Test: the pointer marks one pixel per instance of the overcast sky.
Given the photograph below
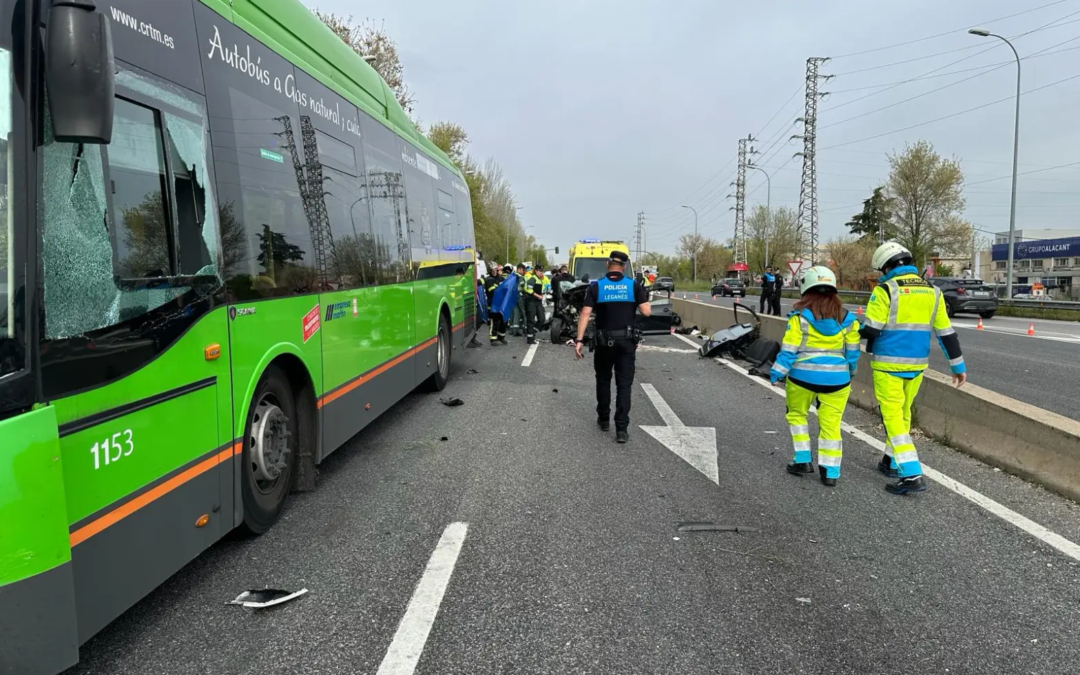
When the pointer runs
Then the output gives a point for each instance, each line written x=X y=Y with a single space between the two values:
x=598 y=109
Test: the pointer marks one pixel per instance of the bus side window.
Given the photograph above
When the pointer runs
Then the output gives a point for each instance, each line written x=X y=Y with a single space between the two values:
x=140 y=220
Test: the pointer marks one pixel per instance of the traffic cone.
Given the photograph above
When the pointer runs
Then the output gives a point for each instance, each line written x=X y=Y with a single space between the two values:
x=695 y=296
x=980 y=326
x=1031 y=329
x=860 y=312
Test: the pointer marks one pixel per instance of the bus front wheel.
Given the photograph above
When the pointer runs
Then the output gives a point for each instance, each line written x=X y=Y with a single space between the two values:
x=270 y=451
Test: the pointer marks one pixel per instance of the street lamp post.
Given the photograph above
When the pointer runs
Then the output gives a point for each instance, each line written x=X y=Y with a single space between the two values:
x=981 y=32
x=695 y=239
x=768 y=208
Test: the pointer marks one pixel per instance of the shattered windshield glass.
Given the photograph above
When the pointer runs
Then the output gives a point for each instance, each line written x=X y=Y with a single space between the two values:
x=104 y=268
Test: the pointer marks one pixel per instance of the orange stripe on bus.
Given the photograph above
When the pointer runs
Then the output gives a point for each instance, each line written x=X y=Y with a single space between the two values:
x=349 y=386
x=116 y=515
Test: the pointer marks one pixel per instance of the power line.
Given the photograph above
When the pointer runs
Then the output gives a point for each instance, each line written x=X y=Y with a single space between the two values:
x=945 y=117
x=1025 y=173
x=925 y=93
x=949 y=65
x=1046 y=26
x=950 y=32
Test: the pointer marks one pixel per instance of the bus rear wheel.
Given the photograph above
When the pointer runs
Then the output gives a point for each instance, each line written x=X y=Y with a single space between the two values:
x=270 y=451
x=438 y=379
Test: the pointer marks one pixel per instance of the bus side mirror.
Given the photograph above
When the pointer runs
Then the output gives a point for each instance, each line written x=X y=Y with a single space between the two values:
x=80 y=72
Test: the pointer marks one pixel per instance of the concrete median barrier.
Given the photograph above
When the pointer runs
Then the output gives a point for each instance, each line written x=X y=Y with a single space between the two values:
x=1017 y=437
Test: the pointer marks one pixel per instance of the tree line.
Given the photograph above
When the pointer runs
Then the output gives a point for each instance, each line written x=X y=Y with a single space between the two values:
x=498 y=231
x=919 y=205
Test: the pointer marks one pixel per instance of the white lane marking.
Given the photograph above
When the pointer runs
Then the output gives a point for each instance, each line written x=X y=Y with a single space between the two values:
x=412 y=633
x=1036 y=530
x=1055 y=337
x=529 y=355
x=696 y=345
x=696 y=445
x=666 y=350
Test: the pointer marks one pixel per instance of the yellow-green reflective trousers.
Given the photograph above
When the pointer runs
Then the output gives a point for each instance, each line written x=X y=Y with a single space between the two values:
x=830 y=414
x=895 y=395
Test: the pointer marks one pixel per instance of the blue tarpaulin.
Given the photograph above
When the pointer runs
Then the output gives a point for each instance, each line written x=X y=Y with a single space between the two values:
x=505 y=297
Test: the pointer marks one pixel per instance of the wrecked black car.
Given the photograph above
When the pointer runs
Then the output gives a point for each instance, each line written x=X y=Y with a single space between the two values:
x=571 y=298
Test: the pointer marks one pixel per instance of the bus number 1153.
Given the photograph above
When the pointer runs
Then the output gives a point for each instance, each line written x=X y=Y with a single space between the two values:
x=112 y=449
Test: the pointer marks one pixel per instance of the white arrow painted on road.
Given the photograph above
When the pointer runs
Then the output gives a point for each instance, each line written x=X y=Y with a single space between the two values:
x=696 y=445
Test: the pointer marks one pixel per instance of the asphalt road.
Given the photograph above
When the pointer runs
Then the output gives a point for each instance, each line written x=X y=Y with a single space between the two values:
x=572 y=561
x=1043 y=370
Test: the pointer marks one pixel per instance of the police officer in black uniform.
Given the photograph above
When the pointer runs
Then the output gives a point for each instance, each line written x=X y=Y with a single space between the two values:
x=616 y=300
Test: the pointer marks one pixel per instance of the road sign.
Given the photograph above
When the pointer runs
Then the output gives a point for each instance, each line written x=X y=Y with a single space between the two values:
x=794 y=266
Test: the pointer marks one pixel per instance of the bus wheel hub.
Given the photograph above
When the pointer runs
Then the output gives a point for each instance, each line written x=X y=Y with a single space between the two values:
x=269 y=441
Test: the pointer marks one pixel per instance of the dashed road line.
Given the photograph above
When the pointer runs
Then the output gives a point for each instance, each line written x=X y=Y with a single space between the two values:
x=525 y=362
x=412 y=633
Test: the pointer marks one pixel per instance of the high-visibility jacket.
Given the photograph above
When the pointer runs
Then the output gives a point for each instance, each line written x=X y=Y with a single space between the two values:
x=818 y=351
x=904 y=310
x=527 y=284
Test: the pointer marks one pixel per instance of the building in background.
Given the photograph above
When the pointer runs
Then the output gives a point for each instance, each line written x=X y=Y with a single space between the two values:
x=1047 y=257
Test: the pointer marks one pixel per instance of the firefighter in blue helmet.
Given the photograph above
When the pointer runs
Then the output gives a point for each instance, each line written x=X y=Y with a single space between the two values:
x=818 y=357
x=903 y=311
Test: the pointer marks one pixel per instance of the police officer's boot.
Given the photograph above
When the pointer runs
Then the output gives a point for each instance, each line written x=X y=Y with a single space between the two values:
x=906 y=485
x=885 y=467
x=825 y=480
x=800 y=468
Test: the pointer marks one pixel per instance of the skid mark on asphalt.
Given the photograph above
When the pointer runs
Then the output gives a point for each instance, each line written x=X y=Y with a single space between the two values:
x=412 y=633
x=1036 y=530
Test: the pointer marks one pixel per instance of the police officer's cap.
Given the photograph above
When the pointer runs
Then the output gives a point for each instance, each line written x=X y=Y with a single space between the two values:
x=619 y=257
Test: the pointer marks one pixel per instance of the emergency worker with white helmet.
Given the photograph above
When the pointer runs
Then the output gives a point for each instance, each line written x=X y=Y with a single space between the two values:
x=904 y=310
x=818 y=357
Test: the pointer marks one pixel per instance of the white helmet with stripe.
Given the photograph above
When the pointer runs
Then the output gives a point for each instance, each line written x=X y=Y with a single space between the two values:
x=888 y=253
x=816 y=277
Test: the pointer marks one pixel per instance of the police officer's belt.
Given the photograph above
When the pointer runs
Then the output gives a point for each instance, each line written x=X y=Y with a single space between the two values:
x=610 y=337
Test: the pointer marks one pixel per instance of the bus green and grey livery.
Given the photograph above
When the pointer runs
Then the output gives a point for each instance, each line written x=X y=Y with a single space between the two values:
x=224 y=251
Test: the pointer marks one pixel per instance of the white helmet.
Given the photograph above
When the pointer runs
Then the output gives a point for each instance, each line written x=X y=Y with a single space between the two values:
x=817 y=276
x=888 y=253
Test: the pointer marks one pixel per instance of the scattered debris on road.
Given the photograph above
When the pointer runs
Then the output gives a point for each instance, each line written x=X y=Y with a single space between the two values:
x=473 y=371
x=452 y=402
x=267 y=597
x=805 y=601
x=708 y=526
x=554 y=391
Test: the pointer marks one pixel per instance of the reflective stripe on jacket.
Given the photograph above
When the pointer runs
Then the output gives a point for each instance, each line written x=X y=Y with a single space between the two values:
x=818 y=351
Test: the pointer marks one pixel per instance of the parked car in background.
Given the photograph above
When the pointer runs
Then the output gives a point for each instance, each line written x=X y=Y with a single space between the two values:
x=729 y=287
x=964 y=295
x=663 y=284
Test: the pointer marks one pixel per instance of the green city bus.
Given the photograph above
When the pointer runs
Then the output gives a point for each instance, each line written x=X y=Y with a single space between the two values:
x=225 y=250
